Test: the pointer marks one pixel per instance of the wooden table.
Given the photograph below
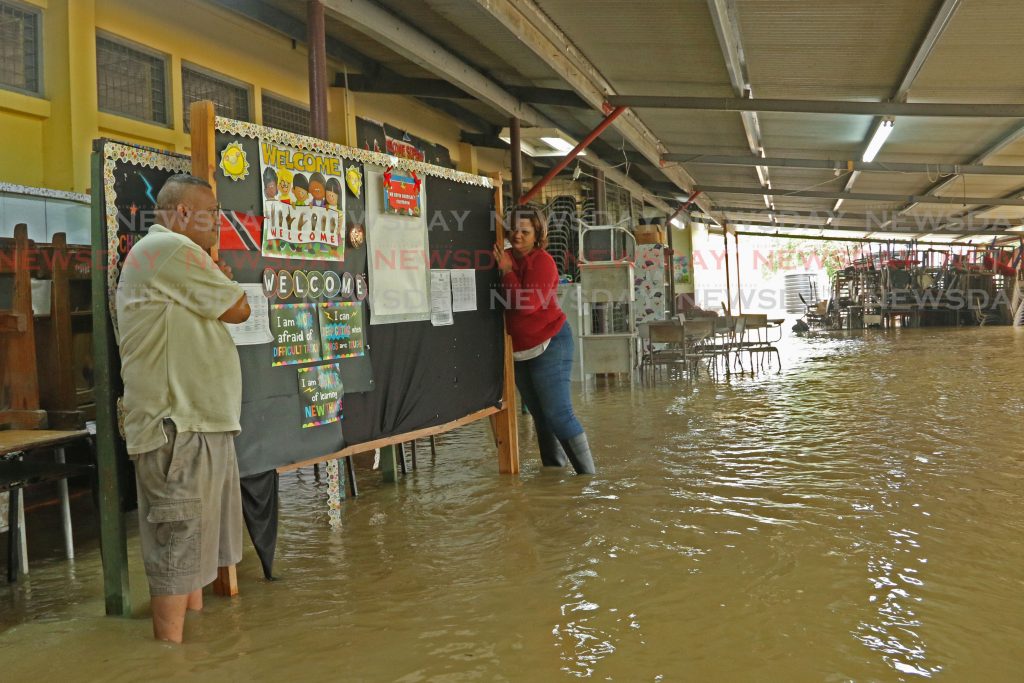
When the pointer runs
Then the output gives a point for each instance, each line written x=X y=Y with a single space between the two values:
x=15 y=474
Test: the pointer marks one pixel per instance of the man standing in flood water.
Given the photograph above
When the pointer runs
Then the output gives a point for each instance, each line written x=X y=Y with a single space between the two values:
x=182 y=400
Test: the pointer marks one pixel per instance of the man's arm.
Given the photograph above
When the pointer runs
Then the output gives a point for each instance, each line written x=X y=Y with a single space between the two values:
x=238 y=313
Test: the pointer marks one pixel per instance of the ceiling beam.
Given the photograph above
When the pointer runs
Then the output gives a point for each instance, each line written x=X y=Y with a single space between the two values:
x=408 y=41
x=925 y=109
x=723 y=15
x=534 y=28
x=996 y=146
x=826 y=238
x=866 y=196
x=440 y=88
x=766 y=224
x=938 y=26
x=413 y=87
x=844 y=165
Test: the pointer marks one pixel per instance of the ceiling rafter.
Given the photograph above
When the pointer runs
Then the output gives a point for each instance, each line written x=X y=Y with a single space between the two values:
x=845 y=164
x=1010 y=200
x=723 y=16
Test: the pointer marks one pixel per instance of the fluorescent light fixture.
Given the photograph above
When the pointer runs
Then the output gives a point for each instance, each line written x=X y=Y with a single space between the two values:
x=882 y=134
x=559 y=144
x=542 y=142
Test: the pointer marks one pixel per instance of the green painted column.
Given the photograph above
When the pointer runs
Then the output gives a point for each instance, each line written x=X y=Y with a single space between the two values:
x=113 y=540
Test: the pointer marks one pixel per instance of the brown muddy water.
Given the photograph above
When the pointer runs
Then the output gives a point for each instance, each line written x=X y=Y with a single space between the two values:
x=859 y=516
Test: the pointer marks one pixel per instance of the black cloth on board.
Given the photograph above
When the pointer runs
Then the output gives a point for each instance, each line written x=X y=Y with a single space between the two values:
x=259 y=507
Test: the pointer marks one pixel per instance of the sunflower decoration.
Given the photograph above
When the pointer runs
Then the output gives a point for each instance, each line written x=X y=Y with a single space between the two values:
x=234 y=162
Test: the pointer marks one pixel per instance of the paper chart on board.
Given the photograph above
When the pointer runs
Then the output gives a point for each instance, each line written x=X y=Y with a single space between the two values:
x=441 y=298
x=255 y=330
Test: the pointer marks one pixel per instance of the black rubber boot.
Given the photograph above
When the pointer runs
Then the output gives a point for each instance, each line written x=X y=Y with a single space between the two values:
x=578 y=450
x=551 y=453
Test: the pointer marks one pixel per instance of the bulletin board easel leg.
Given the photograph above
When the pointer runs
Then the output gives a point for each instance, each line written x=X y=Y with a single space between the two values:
x=506 y=422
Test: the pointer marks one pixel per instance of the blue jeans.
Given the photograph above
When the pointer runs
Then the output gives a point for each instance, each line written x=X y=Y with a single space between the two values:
x=543 y=382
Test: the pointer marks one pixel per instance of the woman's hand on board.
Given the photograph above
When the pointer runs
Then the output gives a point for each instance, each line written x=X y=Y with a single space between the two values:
x=503 y=260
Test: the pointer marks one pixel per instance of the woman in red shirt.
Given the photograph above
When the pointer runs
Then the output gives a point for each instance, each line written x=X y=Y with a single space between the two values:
x=542 y=343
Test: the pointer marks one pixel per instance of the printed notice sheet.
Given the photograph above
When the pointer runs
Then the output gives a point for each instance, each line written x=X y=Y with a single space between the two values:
x=463 y=290
x=255 y=330
x=441 y=298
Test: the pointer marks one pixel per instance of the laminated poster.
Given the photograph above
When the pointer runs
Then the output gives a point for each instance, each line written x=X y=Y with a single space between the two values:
x=303 y=204
x=402 y=192
x=320 y=391
x=296 y=338
x=341 y=329
x=441 y=298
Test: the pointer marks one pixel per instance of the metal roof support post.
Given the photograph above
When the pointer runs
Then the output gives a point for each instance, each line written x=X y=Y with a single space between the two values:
x=607 y=121
x=317 y=41
x=515 y=141
x=739 y=287
x=669 y=255
x=728 y=279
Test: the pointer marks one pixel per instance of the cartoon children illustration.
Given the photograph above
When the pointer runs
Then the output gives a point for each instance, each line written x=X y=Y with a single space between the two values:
x=317 y=189
x=300 y=188
x=284 y=185
x=269 y=183
x=333 y=192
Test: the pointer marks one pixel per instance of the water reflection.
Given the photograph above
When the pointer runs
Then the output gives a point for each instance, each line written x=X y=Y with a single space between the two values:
x=857 y=516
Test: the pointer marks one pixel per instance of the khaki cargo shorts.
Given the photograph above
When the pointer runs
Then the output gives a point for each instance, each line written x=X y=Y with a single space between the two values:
x=190 y=510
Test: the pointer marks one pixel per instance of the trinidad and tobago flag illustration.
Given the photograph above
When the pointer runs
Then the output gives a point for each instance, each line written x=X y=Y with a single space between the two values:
x=240 y=231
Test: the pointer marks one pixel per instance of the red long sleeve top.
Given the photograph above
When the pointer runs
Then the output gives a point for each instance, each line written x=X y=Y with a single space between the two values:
x=531 y=292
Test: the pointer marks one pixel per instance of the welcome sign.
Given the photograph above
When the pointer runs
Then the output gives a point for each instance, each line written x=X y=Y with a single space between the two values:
x=303 y=204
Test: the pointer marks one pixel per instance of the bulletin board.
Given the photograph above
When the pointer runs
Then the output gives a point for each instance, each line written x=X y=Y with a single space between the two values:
x=397 y=377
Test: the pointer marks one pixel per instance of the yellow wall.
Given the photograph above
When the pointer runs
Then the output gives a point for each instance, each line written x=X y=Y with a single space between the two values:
x=48 y=139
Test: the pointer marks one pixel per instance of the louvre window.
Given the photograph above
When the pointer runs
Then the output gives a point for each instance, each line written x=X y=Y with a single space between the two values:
x=279 y=113
x=131 y=82
x=230 y=99
x=19 y=48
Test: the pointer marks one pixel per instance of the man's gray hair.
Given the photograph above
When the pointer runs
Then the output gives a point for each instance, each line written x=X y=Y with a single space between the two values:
x=176 y=188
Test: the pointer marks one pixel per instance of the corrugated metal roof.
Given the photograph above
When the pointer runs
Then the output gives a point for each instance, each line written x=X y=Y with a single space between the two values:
x=831 y=50
x=668 y=42
x=977 y=59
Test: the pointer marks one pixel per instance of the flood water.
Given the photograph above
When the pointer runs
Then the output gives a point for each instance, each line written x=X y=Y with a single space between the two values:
x=859 y=516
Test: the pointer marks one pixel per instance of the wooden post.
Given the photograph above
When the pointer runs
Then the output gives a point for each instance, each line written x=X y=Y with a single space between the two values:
x=113 y=541
x=505 y=422
x=64 y=399
x=315 y=39
x=18 y=376
x=204 y=165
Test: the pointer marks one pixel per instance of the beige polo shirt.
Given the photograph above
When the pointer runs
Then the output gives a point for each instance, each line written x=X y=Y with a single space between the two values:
x=177 y=358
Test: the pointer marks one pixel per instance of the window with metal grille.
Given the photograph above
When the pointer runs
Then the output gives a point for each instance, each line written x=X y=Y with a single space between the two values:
x=131 y=82
x=279 y=113
x=19 y=48
x=229 y=99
